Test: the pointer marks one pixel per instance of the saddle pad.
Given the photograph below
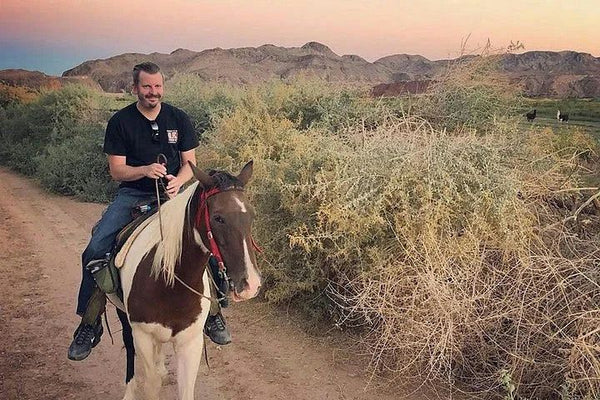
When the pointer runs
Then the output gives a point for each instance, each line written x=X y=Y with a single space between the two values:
x=129 y=228
x=127 y=237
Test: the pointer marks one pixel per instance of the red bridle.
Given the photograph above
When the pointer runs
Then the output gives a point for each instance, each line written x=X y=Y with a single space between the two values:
x=212 y=243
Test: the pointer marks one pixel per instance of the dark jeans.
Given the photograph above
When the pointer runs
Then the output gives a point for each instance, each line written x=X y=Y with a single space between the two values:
x=116 y=216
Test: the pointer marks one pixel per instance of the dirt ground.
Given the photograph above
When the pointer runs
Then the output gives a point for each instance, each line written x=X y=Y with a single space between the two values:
x=41 y=239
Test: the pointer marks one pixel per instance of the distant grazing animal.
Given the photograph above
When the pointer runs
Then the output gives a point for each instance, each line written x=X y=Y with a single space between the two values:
x=562 y=117
x=531 y=115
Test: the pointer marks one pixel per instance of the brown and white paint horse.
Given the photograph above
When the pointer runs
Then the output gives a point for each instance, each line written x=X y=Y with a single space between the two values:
x=159 y=307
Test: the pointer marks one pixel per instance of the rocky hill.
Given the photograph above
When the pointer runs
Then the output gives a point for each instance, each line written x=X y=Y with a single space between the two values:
x=554 y=74
x=242 y=65
x=540 y=73
x=39 y=80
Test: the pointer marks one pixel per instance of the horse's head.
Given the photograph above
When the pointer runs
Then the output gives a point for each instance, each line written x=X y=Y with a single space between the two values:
x=223 y=220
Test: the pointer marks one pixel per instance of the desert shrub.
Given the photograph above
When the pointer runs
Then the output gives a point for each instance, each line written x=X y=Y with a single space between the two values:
x=306 y=103
x=15 y=95
x=204 y=102
x=329 y=107
x=77 y=166
x=447 y=250
x=62 y=110
x=19 y=144
x=459 y=270
x=27 y=130
x=284 y=157
x=470 y=94
x=313 y=103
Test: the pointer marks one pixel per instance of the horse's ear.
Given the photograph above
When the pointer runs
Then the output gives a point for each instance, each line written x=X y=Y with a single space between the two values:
x=204 y=179
x=246 y=173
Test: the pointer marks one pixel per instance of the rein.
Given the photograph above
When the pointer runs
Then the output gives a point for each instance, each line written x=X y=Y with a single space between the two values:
x=158 y=161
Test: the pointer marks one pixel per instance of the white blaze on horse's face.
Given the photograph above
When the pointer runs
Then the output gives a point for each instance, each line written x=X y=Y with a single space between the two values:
x=231 y=220
x=241 y=204
x=253 y=280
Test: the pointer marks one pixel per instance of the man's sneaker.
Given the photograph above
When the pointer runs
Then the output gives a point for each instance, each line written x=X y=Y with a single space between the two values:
x=216 y=330
x=85 y=338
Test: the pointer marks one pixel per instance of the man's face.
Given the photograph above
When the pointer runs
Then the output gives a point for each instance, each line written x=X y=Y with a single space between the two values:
x=149 y=89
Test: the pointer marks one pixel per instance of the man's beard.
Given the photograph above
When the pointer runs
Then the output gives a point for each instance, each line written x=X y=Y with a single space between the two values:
x=147 y=101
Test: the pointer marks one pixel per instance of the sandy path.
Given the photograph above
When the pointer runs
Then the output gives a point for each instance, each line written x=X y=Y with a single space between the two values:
x=41 y=239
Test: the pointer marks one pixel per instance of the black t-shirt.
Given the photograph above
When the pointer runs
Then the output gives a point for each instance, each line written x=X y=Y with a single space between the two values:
x=129 y=133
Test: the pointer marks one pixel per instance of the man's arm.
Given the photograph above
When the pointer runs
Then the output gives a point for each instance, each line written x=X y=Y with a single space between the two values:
x=120 y=171
x=185 y=173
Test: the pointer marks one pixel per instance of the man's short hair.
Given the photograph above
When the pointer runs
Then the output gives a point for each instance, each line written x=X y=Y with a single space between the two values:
x=148 y=67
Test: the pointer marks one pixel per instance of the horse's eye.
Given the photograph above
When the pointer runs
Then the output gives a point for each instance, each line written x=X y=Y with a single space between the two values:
x=219 y=219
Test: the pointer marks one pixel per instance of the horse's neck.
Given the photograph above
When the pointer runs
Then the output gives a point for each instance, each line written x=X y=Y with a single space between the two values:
x=193 y=260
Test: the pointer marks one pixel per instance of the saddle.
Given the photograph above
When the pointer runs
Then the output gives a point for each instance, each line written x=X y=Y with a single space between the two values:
x=105 y=271
x=141 y=213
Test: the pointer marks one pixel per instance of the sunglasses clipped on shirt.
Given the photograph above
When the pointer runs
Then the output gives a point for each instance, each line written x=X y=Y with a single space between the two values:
x=155 y=137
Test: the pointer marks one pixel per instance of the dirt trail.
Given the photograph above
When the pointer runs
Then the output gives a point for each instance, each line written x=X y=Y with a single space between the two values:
x=41 y=239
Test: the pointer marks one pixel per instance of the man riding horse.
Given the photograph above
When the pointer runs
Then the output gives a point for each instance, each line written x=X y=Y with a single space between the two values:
x=134 y=138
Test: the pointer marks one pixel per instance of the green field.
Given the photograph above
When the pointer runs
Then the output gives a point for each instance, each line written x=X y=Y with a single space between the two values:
x=583 y=114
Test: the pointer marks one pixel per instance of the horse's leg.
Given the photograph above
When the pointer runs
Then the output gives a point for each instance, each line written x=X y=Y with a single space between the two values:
x=159 y=356
x=131 y=390
x=188 y=351
x=144 y=347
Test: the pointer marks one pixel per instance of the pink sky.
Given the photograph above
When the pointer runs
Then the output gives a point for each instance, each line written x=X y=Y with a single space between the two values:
x=371 y=29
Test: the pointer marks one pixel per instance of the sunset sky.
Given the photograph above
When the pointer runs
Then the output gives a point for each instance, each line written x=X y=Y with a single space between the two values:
x=54 y=35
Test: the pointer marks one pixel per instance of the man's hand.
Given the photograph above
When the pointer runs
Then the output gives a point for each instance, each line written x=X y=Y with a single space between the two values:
x=173 y=186
x=155 y=171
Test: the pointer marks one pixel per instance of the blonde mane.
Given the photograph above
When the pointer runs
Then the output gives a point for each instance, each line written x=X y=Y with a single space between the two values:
x=168 y=250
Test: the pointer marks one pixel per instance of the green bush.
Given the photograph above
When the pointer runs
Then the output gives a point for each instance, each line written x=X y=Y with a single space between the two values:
x=58 y=139
x=55 y=116
x=20 y=144
x=308 y=104
x=77 y=167
x=204 y=102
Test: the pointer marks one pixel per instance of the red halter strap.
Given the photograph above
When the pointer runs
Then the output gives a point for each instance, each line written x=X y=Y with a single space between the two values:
x=203 y=213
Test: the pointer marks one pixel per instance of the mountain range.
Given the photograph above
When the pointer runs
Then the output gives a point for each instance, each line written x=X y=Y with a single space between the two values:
x=540 y=73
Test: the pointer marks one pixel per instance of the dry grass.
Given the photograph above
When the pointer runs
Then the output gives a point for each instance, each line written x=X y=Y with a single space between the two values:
x=459 y=275
x=471 y=94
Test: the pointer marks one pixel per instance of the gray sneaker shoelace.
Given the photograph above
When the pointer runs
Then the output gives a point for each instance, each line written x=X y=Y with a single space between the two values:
x=218 y=323
x=85 y=334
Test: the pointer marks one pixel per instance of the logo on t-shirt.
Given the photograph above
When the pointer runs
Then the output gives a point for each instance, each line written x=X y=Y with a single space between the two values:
x=172 y=135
